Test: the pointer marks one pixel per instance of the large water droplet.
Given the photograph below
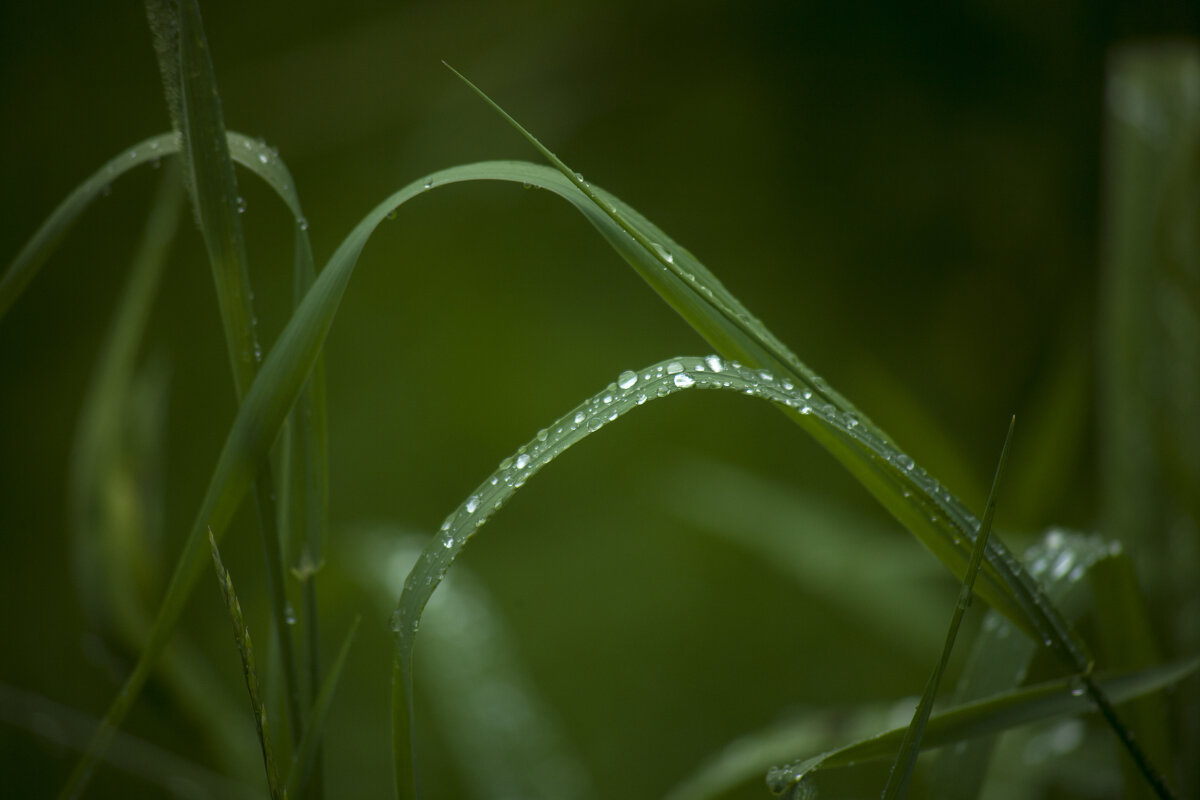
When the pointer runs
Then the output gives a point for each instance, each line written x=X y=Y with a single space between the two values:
x=579 y=417
x=683 y=380
x=263 y=158
x=522 y=461
x=714 y=363
x=627 y=379
x=674 y=367
x=472 y=503
x=663 y=253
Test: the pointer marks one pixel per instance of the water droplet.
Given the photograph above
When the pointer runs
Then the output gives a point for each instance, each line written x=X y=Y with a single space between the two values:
x=241 y=205
x=674 y=367
x=446 y=525
x=904 y=461
x=641 y=398
x=663 y=253
x=1078 y=687
x=595 y=424
x=506 y=462
x=579 y=177
x=579 y=417
x=765 y=376
x=303 y=223
x=472 y=503
x=263 y=158
x=627 y=379
x=683 y=380
x=522 y=461
x=448 y=542
x=289 y=614
x=542 y=434
x=608 y=398
x=714 y=363
x=429 y=182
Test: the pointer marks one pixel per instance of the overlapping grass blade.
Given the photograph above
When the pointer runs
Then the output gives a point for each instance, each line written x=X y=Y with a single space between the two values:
x=992 y=715
x=195 y=105
x=241 y=635
x=906 y=759
x=305 y=760
x=1000 y=658
x=928 y=510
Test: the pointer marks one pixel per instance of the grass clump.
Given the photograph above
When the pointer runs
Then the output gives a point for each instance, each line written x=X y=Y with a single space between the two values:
x=1030 y=661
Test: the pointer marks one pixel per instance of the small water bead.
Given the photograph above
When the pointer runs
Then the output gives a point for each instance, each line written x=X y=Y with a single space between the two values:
x=595 y=424
x=683 y=380
x=714 y=363
x=579 y=417
x=303 y=222
x=472 y=503
x=429 y=182
x=641 y=398
x=446 y=525
x=627 y=379
x=662 y=391
x=663 y=252
x=522 y=461
x=765 y=376
x=542 y=434
x=905 y=461
x=674 y=367
x=448 y=542
x=613 y=416
x=608 y=398
x=263 y=158
x=241 y=205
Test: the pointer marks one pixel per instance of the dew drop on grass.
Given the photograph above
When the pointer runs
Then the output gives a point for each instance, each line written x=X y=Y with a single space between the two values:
x=683 y=380
x=303 y=222
x=674 y=367
x=241 y=205
x=664 y=253
x=448 y=542
x=429 y=182
x=289 y=614
x=905 y=461
x=542 y=434
x=627 y=379
x=595 y=424
x=714 y=363
x=472 y=503
x=263 y=158
x=522 y=461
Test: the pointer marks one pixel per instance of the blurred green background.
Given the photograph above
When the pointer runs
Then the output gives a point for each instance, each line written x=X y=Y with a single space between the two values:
x=908 y=195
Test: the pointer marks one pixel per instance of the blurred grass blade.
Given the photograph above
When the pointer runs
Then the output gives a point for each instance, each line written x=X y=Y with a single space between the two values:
x=241 y=634
x=113 y=482
x=926 y=509
x=314 y=730
x=988 y=716
x=64 y=727
x=910 y=747
x=195 y=104
x=806 y=539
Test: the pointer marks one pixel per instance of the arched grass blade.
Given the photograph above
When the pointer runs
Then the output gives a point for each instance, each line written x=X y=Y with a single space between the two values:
x=906 y=759
x=931 y=513
x=992 y=715
x=630 y=390
x=241 y=635
x=305 y=759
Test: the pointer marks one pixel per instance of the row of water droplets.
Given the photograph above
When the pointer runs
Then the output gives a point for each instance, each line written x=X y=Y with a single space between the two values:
x=629 y=390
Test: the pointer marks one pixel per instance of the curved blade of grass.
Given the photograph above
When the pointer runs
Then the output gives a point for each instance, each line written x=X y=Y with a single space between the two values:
x=910 y=747
x=305 y=759
x=926 y=509
x=983 y=717
x=631 y=390
x=241 y=635
x=195 y=105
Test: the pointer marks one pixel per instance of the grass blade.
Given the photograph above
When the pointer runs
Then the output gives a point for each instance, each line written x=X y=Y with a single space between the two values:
x=631 y=389
x=931 y=513
x=305 y=759
x=906 y=759
x=195 y=105
x=241 y=635
x=989 y=716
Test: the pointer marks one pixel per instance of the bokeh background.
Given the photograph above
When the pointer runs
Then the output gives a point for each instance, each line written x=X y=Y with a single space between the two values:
x=907 y=194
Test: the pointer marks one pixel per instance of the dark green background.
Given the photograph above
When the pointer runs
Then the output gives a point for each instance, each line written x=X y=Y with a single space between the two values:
x=907 y=194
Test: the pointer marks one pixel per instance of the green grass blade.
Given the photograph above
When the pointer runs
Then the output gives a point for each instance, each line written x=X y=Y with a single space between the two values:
x=927 y=510
x=988 y=716
x=241 y=635
x=906 y=759
x=305 y=759
x=195 y=104
x=252 y=154
x=631 y=389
